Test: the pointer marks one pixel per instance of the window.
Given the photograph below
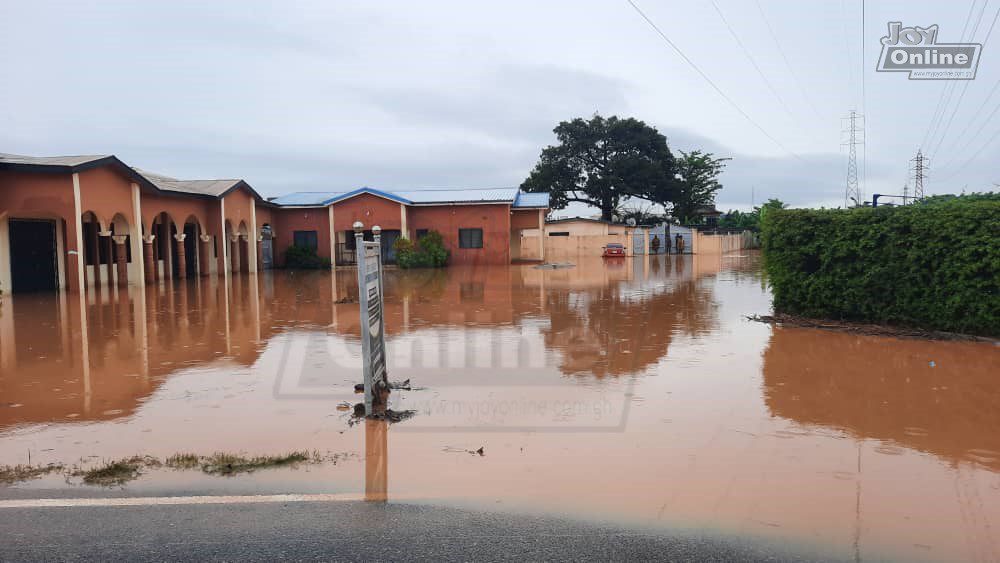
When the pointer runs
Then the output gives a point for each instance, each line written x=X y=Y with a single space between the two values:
x=470 y=238
x=421 y=233
x=306 y=239
x=559 y=234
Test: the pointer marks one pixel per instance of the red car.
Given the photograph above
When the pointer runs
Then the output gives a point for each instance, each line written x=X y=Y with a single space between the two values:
x=614 y=250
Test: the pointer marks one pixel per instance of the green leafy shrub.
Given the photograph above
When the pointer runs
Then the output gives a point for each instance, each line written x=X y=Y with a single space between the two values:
x=428 y=252
x=305 y=258
x=934 y=264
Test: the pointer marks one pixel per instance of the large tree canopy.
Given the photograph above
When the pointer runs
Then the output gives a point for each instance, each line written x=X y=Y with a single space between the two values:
x=699 y=180
x=602 y=162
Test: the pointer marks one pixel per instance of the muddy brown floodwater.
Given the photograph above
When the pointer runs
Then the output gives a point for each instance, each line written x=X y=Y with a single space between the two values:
x=632 y=391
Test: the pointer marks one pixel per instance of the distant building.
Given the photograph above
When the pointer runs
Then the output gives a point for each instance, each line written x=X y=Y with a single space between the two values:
x=88 y=221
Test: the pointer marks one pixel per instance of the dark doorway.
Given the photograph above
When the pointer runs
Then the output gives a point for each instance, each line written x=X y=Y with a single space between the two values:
x=33 y=255
x=191 y=249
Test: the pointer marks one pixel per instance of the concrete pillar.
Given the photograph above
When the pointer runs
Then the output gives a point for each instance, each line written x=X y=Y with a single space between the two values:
x=120 y=259
x=252 y=264
x=204 y=252
x=181 y=255
x=147 y=258
x=74 y=263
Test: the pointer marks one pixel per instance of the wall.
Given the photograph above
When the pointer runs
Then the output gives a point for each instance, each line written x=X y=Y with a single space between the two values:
x=286 y=221
x=717 y=244
x=586 y=238
x=40 y=196
x=494 y=220
x=369 y=209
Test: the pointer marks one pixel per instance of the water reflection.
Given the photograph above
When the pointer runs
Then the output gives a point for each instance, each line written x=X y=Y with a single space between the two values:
x=937 y=397
x=67 y=357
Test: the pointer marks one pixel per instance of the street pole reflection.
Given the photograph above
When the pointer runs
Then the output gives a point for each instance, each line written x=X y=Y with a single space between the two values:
x=376 y=460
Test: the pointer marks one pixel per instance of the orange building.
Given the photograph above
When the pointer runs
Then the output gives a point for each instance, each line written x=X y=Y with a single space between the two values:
x=93 y=221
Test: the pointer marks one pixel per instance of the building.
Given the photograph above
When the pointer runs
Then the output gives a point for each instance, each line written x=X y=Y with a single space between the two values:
x=90 y=221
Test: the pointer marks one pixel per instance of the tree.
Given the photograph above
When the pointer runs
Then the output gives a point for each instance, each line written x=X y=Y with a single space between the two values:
x=699 y=173
x=749 y=220
x=603 y=162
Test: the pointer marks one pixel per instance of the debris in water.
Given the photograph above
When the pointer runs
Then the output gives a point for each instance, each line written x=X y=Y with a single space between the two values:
x=344 y=300
x=555 y=266
x=480 y=452
x=344 y=406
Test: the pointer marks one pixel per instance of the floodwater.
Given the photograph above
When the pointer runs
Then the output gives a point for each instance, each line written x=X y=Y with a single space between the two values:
x=631 y=391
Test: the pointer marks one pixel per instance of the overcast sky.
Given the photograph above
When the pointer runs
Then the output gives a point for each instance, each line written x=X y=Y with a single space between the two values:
x=337 y=95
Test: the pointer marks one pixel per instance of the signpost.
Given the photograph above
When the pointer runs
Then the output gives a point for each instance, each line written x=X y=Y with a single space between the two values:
x=369 y=259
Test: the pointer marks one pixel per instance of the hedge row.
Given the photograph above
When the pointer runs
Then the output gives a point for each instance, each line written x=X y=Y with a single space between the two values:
x=933 y=264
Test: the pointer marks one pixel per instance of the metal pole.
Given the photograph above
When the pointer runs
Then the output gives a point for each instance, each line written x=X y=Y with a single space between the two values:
x=359 y=252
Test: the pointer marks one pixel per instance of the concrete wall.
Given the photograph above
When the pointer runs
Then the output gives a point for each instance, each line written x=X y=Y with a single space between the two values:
x=493 y=219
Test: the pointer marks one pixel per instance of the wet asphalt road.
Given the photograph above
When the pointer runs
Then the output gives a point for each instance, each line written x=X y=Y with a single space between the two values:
x=323 y=531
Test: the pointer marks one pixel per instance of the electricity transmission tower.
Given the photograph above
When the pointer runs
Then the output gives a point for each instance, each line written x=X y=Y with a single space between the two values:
x=855 y=131
x=906 y=191
x=919 y=172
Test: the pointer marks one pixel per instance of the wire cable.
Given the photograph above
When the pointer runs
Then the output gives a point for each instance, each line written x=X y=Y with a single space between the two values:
x=709 y=80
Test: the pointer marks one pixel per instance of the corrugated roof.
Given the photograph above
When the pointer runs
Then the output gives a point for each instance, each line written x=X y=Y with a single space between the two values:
x=50 y=160
x=214 y=188
x=422 y=197
x=532 y=199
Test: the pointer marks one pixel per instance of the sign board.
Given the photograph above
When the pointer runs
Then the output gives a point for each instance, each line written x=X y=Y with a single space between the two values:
x=372 y=328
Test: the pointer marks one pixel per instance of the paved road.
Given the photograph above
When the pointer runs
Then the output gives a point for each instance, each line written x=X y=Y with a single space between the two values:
x=340 y=530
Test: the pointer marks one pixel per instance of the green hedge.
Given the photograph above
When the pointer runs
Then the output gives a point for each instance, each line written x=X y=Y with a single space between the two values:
x=933 y=264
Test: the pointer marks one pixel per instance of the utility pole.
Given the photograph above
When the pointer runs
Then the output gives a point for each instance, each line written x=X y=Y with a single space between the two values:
x=906 y=191
x=919 y=172
x=855 y=136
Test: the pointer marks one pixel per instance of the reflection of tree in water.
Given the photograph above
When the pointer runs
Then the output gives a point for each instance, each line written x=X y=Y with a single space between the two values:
x=888 y=389
x=620 y=330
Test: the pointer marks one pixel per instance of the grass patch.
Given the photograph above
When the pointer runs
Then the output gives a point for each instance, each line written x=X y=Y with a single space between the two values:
x=230 y=464
x=119 y=472
x=183 y=461
x=10 y=474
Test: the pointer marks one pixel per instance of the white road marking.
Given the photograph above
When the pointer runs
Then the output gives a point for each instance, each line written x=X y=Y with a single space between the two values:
x=178 y=500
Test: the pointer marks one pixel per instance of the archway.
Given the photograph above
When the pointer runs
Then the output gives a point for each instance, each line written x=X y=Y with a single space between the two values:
x=94 y=252
x=244 y=246
x=163 y=230
x=193 y=262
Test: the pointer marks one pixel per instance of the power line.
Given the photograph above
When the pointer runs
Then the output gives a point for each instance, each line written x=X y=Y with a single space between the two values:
x=961 y=135
x=709 y=80
x=940 y=104
x=753 y=61
x=864 y=109
x=791 y=70
x=965 y=86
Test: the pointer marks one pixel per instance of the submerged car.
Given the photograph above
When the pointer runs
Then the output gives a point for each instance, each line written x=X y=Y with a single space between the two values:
x=614 y=250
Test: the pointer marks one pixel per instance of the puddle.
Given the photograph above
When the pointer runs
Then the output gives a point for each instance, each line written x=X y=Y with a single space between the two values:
x=634 y=392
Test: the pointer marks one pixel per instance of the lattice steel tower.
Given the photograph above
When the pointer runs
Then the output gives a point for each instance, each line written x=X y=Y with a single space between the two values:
x=855 y=137
x=919 y=172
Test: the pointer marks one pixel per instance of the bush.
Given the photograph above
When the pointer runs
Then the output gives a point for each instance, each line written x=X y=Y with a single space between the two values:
x=934 y=264
x=305 y=258
x=428 y=252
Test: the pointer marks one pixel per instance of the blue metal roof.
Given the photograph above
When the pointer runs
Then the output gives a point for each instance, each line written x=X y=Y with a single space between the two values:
x=421 y=197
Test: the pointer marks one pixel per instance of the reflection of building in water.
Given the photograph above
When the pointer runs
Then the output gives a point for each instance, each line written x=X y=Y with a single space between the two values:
x=71 y=357
x=944 y=402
